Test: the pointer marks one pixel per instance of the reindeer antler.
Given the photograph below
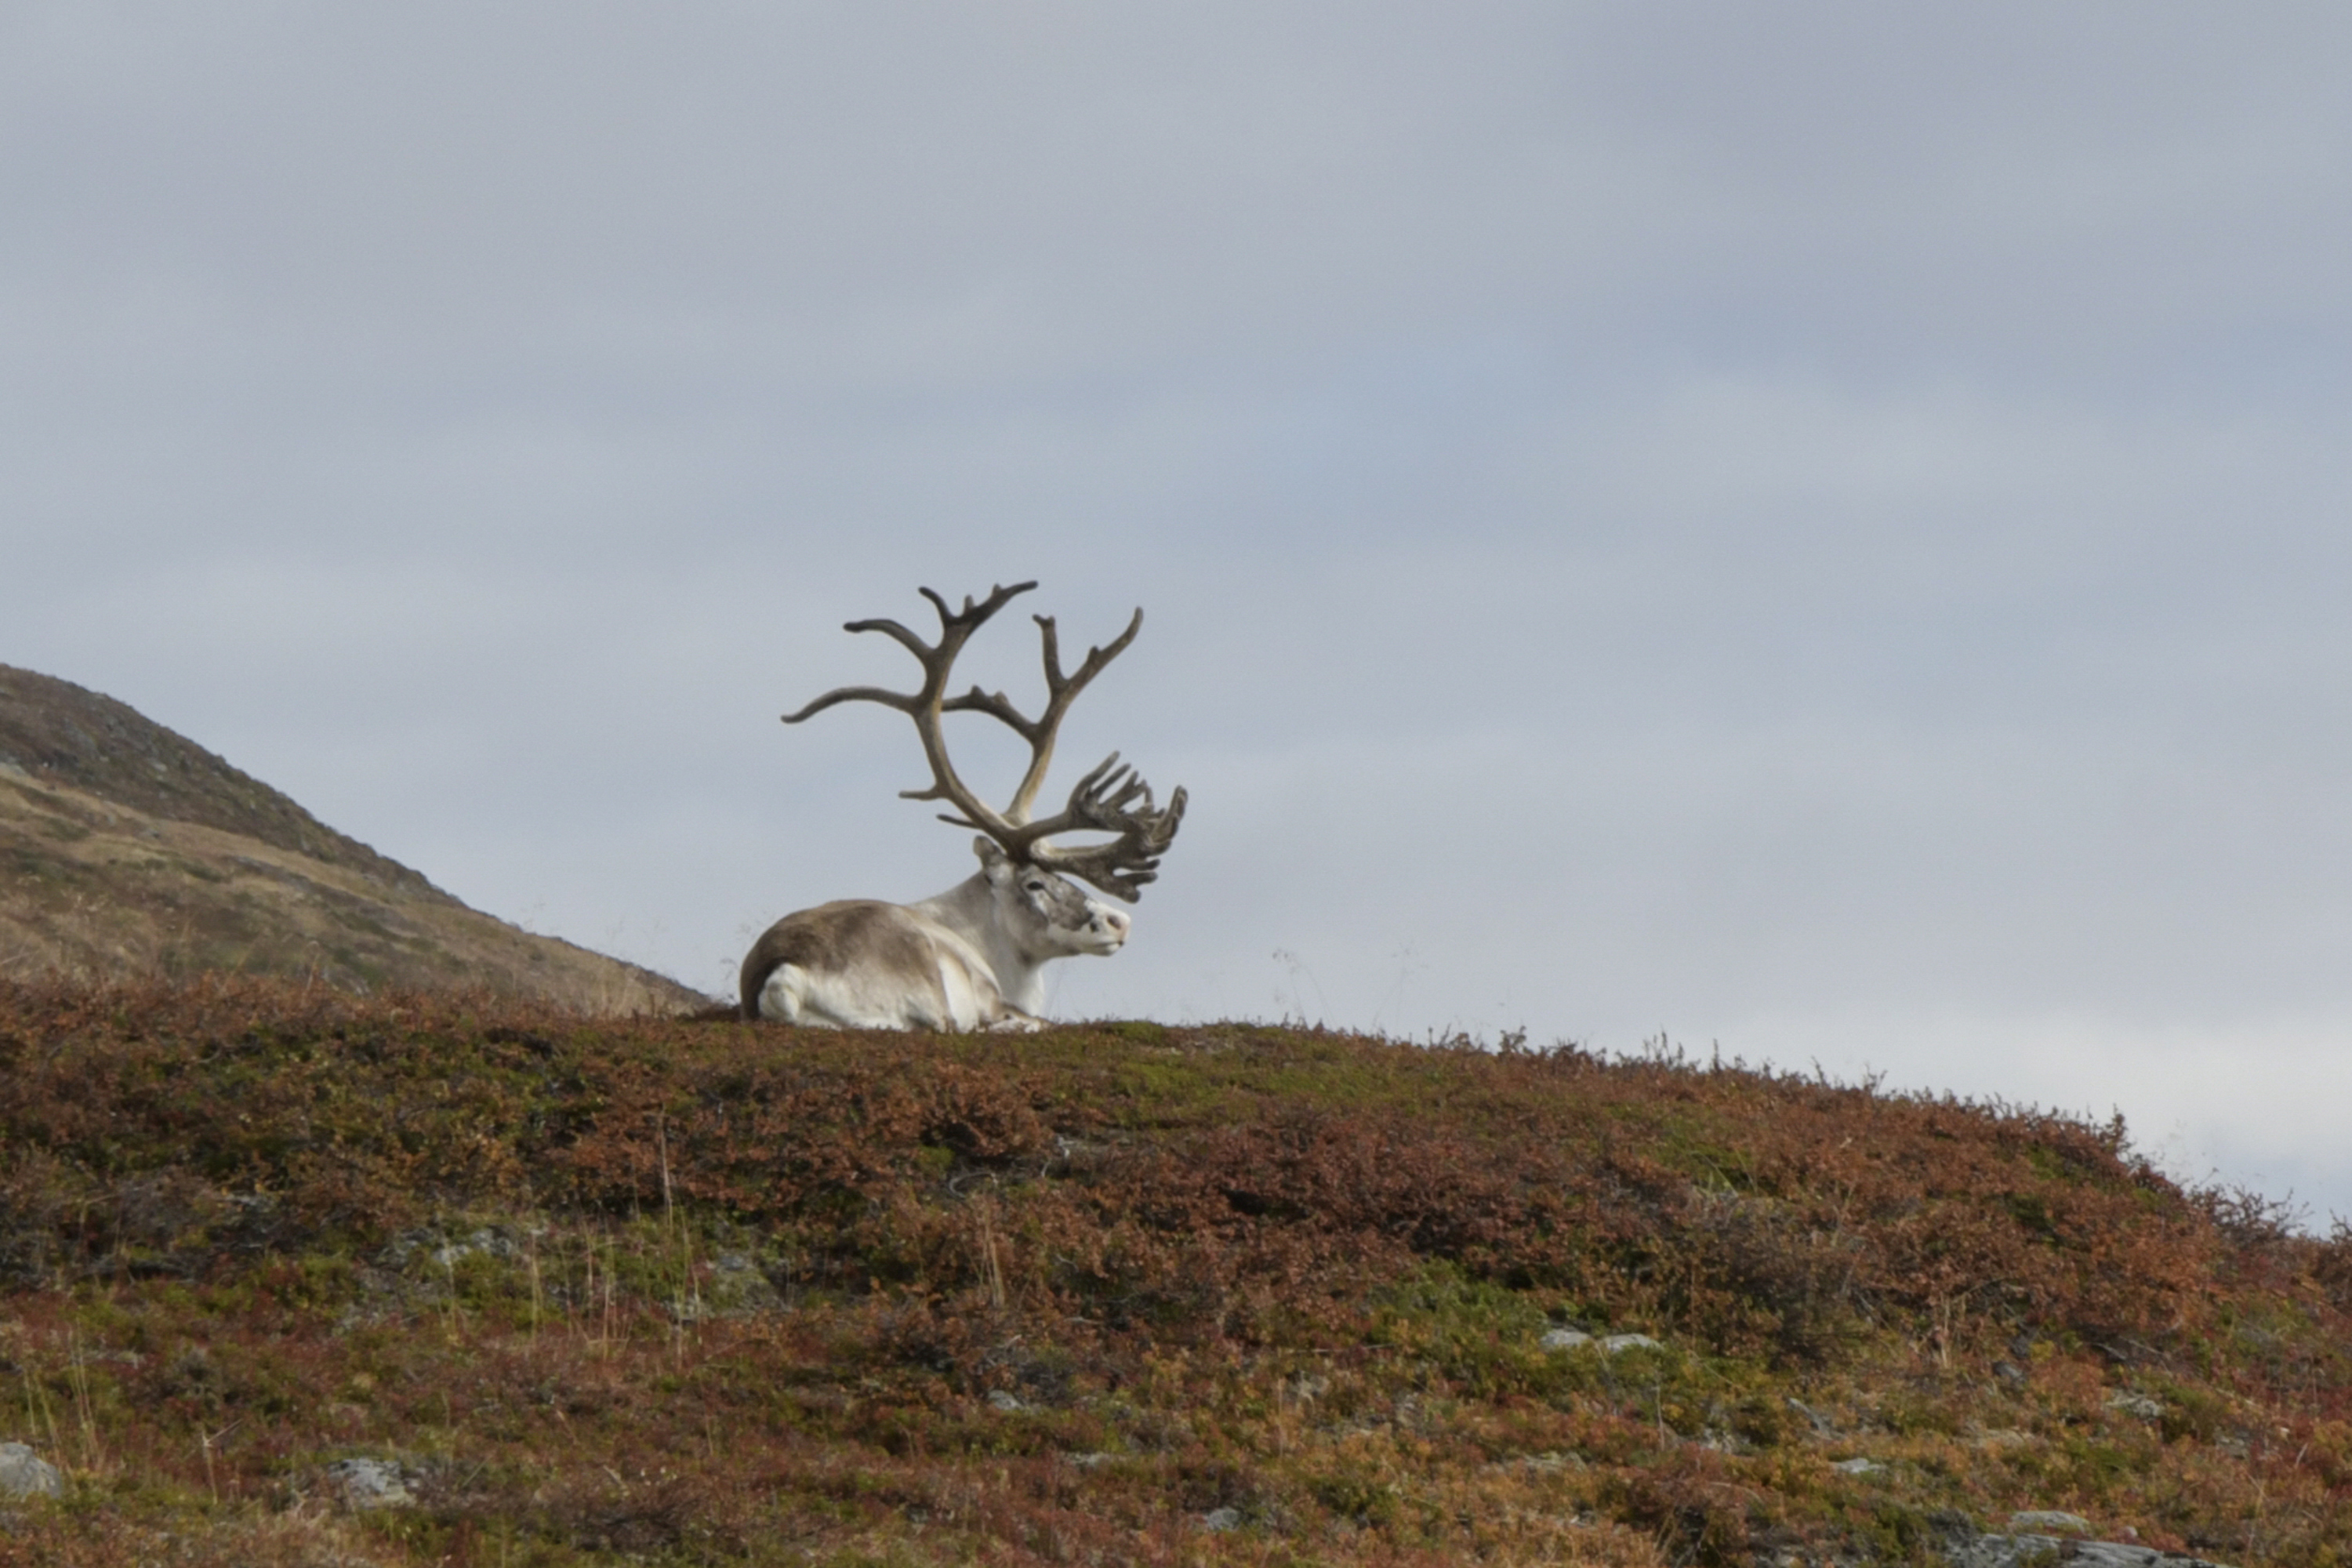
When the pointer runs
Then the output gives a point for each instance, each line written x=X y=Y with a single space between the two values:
x=1105 y=800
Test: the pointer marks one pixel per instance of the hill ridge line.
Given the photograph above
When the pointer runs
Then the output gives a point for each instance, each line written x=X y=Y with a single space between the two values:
x=53 y=729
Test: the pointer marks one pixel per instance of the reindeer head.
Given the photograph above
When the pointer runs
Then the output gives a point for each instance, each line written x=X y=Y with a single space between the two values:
x=1112 y=799
x=1043 y=916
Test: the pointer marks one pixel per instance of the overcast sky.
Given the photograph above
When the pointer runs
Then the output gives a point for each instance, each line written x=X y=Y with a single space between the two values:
x=1816 y=529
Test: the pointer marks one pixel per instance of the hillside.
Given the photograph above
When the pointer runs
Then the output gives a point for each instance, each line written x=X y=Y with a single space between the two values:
x=128 y=850
x=296 y=1276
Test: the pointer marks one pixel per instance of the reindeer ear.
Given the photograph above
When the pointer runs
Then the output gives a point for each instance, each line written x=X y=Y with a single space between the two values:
x=992 y=854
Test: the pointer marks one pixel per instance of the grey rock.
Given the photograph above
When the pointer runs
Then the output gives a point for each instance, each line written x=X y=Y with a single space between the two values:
x=1858 y=1467
x=998 y=1399
x=24 y=1473
x=739 y=1286
x=1568 y=1339
x=2030 y=1551
x=2138 y=1405
x=1218 y=1520
x=486 y=1241
x=2045 y=1520
x=370 y=1483
x=1821 y=1424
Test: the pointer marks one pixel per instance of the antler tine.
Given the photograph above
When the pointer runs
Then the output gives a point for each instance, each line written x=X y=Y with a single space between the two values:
x=996 y=705
x=924 y=705
x=1104 y=800
x=904 y=703
x=1061 y=691
x=899 y=634
x=967 y=620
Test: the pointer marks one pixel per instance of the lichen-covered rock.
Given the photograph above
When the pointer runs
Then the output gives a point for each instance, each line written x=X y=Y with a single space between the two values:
x=24 y=1473
x=2044 y=1521
x=370 y=1483
x=1570 y=1339
x=2033 y=1551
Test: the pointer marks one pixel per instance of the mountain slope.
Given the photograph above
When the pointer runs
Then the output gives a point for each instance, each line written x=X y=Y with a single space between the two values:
x=126 y=850
x=64 y=734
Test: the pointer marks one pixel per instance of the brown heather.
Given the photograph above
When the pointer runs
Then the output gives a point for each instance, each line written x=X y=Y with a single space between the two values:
x=715 y=1293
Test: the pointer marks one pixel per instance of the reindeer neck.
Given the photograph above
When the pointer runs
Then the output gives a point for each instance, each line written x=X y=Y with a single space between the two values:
x=969 y=909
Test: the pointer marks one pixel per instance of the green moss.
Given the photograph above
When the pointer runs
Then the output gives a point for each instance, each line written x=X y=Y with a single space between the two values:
x=1356 y=1496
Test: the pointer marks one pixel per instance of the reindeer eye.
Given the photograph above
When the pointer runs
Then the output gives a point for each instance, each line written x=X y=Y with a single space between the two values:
x=1035 y=885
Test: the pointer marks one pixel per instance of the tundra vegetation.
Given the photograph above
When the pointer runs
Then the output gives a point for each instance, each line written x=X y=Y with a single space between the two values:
x=300 y=1278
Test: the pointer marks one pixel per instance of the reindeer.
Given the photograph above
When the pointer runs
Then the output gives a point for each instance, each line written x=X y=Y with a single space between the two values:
x=971 y=958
